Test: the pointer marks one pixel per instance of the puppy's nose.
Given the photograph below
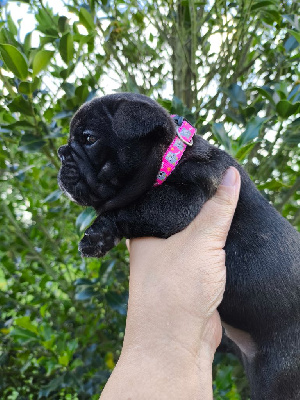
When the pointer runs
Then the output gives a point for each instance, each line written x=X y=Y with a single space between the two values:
x=62 y=152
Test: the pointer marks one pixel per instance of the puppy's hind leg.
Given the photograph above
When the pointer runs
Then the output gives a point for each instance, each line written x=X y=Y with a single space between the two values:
x=99 y=238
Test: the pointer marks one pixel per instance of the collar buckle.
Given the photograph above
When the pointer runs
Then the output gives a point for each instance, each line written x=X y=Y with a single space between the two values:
x=182 y=139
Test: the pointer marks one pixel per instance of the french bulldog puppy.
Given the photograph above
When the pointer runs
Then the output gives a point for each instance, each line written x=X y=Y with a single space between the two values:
x=111 y=163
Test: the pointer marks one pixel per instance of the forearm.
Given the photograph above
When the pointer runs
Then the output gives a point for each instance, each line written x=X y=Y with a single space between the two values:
x=164 y=355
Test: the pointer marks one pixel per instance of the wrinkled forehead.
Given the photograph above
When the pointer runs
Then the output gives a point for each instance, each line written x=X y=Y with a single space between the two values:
x=91 y=115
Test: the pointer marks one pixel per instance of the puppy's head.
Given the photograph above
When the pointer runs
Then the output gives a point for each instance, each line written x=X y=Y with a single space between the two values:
x=114 y=150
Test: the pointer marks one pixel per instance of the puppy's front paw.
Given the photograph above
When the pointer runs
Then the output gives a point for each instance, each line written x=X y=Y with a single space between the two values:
x=96 y=243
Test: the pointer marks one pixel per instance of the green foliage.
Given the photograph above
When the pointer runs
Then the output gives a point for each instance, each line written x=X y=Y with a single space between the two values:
x=229 y=67
x=14 y=60
x=40 y=62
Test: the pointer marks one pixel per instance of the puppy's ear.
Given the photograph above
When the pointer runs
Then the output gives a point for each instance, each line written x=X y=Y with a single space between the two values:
x=137 y=118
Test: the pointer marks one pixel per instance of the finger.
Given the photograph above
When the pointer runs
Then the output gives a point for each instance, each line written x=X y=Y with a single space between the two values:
x=216 y=215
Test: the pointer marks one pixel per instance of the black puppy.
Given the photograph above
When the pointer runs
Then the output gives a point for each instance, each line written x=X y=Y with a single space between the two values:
x=111 y=162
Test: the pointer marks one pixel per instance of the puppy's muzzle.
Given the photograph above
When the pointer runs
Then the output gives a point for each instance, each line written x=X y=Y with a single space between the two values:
x=64 y=152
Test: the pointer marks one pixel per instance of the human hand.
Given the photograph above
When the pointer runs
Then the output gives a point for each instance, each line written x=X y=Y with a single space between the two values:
x=173 y=327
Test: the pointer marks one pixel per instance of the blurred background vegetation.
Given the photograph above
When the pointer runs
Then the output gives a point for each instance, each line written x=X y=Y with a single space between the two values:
x=231 y=67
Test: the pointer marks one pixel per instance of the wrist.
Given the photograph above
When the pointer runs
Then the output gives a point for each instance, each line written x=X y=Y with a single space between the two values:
x=192 y=348
x=156 y=325
x=168 y=372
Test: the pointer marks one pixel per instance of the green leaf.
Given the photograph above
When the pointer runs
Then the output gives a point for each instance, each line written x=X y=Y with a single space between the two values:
x=291 y=44
x=11 y=25
x=271 y=16
x=262 y=4
x=36 y=83
x=66 y=47
x=68 y=71
x=14 y=60
x=63 y=114
x=19 y=104
x=22 y=1
x=29 y=87
x=19 y=125
x=167 y=104
x=292 y=19
x=85 y=219
x=272 y=185
x=52 y=386
x=64 y=359
x=242 y=152
x=31 y=143
x=25 y=88
x=294 y=94
x=236 y=94
x=138 y=17
x=248 y=112
x=63 y=24
x=83 y=281
x=47 y=39
x=285 y=108
x=69 y=88
x=82 y=92
x=72 y=345
x=47 y=21
x=117 y=302
x=106 y=270
x=86 y=293
x=281 y=88
x=43 y=310
x=41 y=61
x=235 y=115
x=24 y=322
x=292 y=133
x=86 y=19
x=295 y=34
x=24 y=334
x=6 y=37
x=221 y=135
x=53 y=196
x=252 y=130
x=265 y=91
x=27 y=42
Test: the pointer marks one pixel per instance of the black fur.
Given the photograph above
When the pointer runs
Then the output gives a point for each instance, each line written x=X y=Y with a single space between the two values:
x=116 y=174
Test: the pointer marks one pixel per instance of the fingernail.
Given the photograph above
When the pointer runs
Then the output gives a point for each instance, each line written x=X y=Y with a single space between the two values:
x=230 y=177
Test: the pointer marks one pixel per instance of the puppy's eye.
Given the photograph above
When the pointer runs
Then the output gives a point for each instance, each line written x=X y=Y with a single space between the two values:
x=87 y=137
x=91 y=139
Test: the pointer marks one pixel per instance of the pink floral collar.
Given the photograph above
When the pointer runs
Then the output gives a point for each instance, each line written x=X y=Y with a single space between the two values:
x=185 y=132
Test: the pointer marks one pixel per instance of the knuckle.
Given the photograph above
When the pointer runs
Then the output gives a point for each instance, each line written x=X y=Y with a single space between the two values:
x=224 y=199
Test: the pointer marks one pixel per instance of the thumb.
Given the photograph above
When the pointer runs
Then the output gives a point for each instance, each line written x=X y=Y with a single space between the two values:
x=216 y=215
